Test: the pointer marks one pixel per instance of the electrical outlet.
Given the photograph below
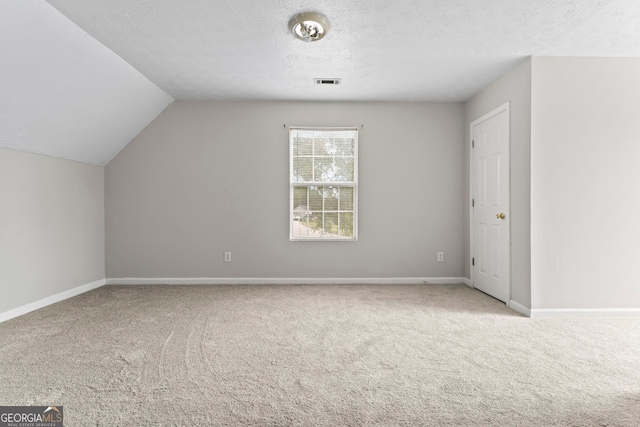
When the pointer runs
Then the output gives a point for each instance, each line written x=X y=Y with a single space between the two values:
x=227 y=257
x=440 y=256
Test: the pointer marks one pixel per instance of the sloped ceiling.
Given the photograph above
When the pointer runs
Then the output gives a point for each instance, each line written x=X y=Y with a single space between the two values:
x=64 y=94
x=82 y=83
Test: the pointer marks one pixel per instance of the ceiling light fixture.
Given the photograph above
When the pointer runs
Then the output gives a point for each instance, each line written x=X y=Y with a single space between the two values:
x=309 y=26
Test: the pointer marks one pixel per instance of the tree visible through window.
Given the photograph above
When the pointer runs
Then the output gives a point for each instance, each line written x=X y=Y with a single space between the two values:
x=324 y=176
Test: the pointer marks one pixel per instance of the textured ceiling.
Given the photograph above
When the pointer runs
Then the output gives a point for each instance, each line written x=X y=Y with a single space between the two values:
x=81 y=78
x=64 y=94
x=402 y=50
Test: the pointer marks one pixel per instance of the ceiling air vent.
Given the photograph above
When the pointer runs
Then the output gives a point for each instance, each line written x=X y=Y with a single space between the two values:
x=327 y=81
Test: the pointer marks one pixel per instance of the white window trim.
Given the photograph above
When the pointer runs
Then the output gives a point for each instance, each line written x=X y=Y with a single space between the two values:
x=353 y=185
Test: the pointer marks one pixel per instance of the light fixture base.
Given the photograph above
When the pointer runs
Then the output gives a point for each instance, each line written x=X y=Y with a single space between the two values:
x=309 y=26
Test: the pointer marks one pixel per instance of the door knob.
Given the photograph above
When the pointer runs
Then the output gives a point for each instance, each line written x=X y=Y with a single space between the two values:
x=500 y=216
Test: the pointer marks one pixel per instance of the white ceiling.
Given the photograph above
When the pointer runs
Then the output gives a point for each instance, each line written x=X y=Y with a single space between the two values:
x=81 y=84
x=63 y=93
x=401 y=50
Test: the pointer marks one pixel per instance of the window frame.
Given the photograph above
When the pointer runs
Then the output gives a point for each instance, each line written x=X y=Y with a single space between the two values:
x=351 y=184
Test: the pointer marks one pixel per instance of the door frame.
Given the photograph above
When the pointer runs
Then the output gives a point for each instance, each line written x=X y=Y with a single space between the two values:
x=506 y=107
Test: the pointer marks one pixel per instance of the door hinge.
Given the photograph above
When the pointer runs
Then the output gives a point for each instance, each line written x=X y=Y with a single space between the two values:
x=473 y=261
x=473 y=143
x=473 y=203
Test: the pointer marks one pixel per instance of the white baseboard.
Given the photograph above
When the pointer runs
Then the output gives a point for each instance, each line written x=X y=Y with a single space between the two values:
x=282 y=280
x=547 y=313
x=533 y=313
x=516 y=306
x=50 y=300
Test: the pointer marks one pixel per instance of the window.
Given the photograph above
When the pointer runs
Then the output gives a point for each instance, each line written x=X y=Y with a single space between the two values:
x=324 y=183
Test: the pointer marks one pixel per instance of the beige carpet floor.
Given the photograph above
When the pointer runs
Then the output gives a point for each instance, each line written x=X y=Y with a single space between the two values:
x=326 y=355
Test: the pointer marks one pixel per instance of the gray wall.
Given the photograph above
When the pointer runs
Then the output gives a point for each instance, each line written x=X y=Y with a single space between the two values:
x=585 y=183
x=513 y=87
x=208 y=177
x=51 y=227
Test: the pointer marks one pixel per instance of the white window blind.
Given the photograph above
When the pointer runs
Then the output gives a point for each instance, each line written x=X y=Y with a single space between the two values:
x=324 y=183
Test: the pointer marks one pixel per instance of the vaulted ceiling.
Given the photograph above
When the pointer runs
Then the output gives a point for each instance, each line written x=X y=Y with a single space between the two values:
x=81 y=78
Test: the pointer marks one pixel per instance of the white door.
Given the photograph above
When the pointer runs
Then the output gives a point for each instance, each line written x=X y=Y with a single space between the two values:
x=490 y=224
